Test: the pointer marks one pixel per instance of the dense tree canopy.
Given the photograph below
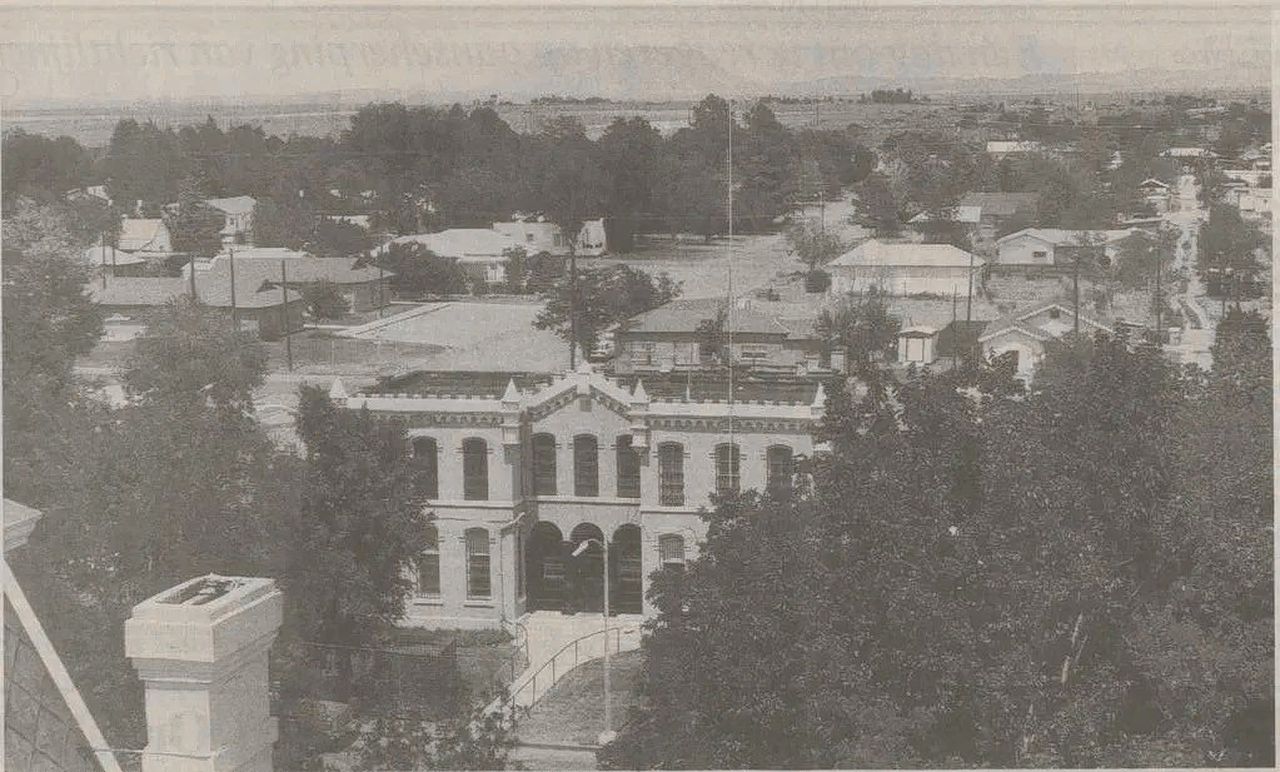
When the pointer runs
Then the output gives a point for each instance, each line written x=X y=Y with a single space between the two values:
x=982 y=578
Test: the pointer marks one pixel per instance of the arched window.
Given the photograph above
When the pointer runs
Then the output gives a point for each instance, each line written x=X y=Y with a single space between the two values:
x=671 y=551
x=781 y=465
x=475 y=469
x=428 y=581
x=586 y=466
x=727 y=463
x=628 y=463
x=426 y=457
x=671 y=474
x=544 y=465
x=478 y=584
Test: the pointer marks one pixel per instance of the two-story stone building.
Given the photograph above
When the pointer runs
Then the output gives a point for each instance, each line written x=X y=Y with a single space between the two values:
x=520 y=475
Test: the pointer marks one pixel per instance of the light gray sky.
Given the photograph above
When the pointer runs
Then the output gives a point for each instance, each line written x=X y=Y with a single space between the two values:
x=167 y=53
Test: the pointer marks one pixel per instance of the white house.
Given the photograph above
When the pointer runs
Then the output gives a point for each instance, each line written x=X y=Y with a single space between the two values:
x=1023 y=334
x=481 y=252
x=1156 y=193
x=237 y=212
x=538 y=235
x=1045 y=247
x=903 y=269
x=144 y=236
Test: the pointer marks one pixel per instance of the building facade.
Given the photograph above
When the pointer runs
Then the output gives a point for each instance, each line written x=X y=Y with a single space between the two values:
x=519 y=480
x=889 y=268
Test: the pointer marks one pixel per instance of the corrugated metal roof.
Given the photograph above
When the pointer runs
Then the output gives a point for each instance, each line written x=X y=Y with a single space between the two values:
x=463 y=244
x=141 y=234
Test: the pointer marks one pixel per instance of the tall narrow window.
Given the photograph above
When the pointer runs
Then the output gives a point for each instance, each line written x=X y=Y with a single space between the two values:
x=586 y=466
x=544 y=465
x=628 y=469
x=426 y=457
x=428 y=584
x=781 y=469
x=478 y=586
x=475 y=469
x=671 y=474
x=671 y=551
x=727 y=468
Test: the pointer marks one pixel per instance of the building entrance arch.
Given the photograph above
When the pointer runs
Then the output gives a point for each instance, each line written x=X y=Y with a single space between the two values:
x=546 y=568
x=587 y=569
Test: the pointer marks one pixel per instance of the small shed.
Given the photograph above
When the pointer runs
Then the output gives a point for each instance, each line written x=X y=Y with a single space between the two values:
x=917 y=345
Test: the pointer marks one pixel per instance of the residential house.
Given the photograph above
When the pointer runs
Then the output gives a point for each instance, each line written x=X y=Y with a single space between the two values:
x=481 y=252
x=147 y=237
x=1023 y=334
x=115 y=262
x=522 y=478
x=260 y=303
x=360 y=220
x=363 y=287
x=1047 y=249
x=903 y=269
x=1156 y=194
x=95 y=193
x=237 y=213
x=536 y=235
x=682 y=336
x=998 y=211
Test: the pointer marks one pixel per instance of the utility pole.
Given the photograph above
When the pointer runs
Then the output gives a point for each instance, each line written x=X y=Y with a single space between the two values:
x=954 y=341
x=102 y=268
x=968 y=307
x=573 y=305
x=284 y=293
x=382 y=289
x=1076 y=293
x=235 y=312
x=191 y=268
x=732 y=366
x=1159 y=302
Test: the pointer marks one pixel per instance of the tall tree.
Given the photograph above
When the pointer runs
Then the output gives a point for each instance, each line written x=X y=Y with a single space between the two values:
x=605 y=296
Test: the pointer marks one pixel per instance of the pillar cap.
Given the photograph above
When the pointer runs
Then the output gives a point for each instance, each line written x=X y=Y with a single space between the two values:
x=205 y=620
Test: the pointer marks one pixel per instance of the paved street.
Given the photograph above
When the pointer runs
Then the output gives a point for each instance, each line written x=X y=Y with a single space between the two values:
x=1186 y=215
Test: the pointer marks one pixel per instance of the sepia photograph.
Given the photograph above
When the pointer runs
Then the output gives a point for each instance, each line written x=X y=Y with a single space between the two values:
x=576 y=385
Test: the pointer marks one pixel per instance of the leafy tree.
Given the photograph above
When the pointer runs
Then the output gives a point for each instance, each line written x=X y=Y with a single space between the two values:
x=418 y=271
x=144 y=163
x=193 y=224
x=470 y=741
x=814 y=246
x=517 y=270
x=325 y=300
x=879 y=205
x=606 y=296
x=284 y=225
x=630 y=152
x=863 y=328
x=190 y=354
x=1227 y=242
x=360 y=527
x=38 y=166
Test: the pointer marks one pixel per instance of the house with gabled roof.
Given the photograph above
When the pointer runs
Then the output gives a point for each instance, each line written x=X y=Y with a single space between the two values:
x=1023 y=334
x=892 y=268
x=674 y=338
x=1047 y=248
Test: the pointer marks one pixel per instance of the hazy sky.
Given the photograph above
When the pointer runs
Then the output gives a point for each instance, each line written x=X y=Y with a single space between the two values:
x=167 y=53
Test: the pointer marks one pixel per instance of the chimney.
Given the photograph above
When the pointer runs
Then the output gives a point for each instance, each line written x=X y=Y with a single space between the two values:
x=201 y=651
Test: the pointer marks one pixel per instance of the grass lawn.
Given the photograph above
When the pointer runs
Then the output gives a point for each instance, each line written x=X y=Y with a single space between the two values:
x=573 y=711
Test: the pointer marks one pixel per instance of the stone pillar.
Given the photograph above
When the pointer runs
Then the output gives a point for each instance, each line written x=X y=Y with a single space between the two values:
x=201 y=651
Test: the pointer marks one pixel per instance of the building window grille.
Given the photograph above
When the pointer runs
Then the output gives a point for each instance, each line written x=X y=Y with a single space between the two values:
x=426 y=457
x=628 y=469
x=727 y=465
x=544 y=465
x=781 y=465
x=428 y=583
x=586 y=466
x=475 y=469
x=671 y=474
x=478 y=585
x=671 y=552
